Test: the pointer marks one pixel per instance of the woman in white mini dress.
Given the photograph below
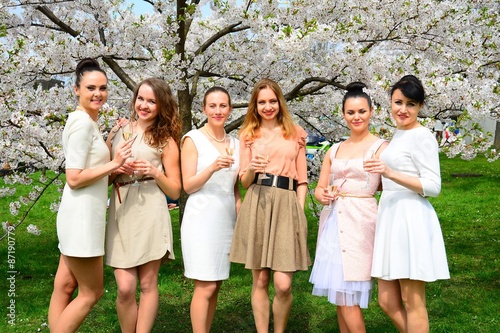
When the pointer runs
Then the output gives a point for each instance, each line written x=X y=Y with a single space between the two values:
x=81 y=218
x=409 y=248
x=210 y=178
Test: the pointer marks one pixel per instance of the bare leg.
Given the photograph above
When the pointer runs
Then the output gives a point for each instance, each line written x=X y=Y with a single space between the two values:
x=260 y=299
x=213 y=305
x=64 y=286
x=342 y=323
x=390 y=300
x=413 y=294
x=282 y=303
x=203 y=304
x=126 y=304
x=89 y=275
x=351 y=319
x=148 y=303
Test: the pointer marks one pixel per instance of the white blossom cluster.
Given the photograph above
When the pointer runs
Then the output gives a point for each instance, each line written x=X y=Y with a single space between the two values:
x=33 y=229
x=312 y=49
x=7 y=191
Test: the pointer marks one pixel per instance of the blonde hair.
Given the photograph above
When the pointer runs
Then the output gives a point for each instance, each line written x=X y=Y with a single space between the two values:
x=250 y=128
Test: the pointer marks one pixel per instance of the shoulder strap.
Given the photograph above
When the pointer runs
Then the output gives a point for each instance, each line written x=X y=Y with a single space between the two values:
x=333 y=150
x=376 y=145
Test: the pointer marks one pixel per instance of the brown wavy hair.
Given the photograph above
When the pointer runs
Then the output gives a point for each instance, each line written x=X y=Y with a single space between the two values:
x=250 y=128
x=168 y=122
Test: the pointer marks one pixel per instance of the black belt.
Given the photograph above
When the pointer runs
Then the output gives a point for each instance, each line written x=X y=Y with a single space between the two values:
x=286 y=183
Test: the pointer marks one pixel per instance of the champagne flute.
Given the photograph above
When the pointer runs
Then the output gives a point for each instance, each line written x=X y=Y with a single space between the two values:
x=229 y=150
x=331 y=188
x=261 y=150
x=127 y=132
x=368 y=155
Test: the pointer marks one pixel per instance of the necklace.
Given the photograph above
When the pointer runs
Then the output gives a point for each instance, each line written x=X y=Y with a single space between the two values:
x=213 y=137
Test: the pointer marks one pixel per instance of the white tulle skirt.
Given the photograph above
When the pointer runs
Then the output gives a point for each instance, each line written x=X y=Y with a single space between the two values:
x=327 y=274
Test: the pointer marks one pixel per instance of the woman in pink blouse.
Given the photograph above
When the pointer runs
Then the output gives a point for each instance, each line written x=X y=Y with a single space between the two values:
x=271 y=228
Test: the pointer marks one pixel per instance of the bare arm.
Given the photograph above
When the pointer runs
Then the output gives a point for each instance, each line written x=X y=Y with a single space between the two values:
x=169 y=181
x=321 y=192
x=192 y=182
x=78 y=178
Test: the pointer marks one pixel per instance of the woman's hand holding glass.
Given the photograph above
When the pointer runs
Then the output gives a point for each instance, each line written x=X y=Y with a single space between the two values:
x=330 y=193
x=122 y=154
x=230 y=147
x=260 y=160
x=222 y=162
x=376 y=165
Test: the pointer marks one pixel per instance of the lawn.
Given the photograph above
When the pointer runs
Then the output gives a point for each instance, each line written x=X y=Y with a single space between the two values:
x=468 y=302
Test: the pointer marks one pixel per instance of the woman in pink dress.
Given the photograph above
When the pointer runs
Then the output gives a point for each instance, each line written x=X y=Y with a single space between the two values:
x=342 y=265
x=271 y=227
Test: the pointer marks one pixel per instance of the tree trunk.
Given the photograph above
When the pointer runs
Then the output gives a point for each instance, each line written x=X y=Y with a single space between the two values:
x=185 y=103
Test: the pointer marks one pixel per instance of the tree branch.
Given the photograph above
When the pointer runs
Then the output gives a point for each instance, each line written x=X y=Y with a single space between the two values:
x=119 y=72
x=25 y=215
x=50 y=15
x=299 y=90
x=221 y=33
x=113 y=65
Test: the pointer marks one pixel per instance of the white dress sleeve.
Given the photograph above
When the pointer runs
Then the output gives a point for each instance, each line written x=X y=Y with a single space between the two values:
x=77 y=142
x=425 y=155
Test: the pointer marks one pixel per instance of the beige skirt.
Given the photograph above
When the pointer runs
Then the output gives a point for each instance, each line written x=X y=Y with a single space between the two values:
x=271 y=231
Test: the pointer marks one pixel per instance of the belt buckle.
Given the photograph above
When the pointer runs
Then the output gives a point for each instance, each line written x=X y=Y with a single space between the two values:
x=275 y=181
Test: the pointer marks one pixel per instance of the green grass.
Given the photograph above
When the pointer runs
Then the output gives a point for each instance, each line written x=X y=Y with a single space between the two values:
x=468 y=302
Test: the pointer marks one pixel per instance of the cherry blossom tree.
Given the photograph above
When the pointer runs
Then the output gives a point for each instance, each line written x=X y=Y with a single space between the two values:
x=312 y=49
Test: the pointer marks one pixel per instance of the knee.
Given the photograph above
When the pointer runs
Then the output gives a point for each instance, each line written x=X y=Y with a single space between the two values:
x=384 y=305
x=148 y=285
x=206 y=289
x=262 y=282
x=283 y=290
x=390 y=306
x=65 y=283
x=92 y=296
x=125 y=292
x=415 y=307
x=66 y=286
